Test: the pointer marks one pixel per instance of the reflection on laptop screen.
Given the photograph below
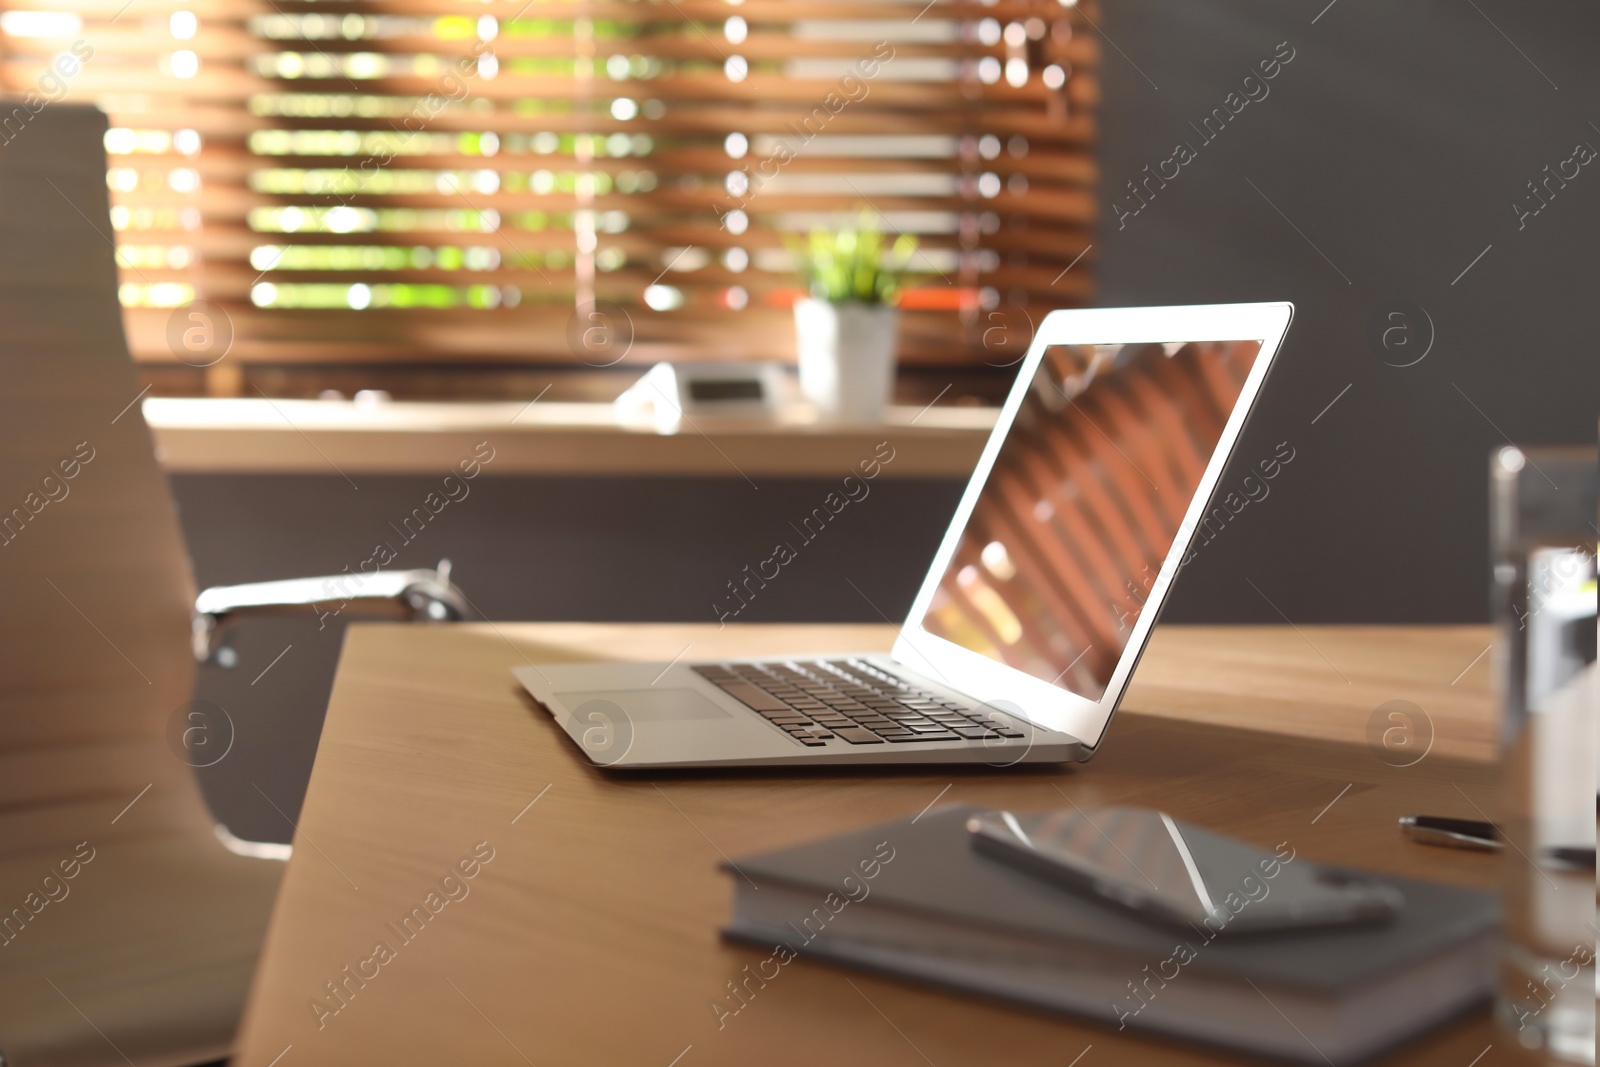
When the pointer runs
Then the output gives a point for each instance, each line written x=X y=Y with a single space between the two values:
x=1083 y=504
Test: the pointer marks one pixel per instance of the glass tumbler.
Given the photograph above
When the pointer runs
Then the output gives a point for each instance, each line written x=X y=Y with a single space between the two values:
x=1543 y=504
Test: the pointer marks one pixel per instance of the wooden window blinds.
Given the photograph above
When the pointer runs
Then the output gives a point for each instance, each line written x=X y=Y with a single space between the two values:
x=442 y=181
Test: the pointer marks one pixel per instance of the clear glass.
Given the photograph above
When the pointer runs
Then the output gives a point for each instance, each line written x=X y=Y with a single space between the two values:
x=1544 y=502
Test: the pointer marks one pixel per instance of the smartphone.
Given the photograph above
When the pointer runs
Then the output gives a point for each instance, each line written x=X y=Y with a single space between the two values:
x=1167 y=871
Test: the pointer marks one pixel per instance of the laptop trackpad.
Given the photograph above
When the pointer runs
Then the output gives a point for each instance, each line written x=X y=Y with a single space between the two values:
x=645 y=705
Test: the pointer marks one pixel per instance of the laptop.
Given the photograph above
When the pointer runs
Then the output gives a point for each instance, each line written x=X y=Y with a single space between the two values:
x=1103 y=466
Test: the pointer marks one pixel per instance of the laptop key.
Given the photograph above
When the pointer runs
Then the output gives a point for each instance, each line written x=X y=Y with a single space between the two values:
x=752 y=696
x=858 y=735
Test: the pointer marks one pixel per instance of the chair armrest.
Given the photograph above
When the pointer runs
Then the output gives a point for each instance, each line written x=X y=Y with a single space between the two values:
x=415 y=595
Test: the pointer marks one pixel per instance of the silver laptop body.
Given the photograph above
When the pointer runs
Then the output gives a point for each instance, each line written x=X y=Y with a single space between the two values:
x=1102 y=468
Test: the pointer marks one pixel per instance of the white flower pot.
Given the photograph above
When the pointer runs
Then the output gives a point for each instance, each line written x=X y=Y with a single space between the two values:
x=847 y=354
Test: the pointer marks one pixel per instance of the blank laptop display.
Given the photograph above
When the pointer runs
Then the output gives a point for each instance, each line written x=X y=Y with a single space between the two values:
x=1083 y=504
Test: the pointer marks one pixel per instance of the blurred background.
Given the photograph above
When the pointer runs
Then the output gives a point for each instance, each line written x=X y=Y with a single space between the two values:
x=402 y=199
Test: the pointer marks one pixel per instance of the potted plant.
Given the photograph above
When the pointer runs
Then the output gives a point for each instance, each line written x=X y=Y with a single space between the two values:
x=847 y=328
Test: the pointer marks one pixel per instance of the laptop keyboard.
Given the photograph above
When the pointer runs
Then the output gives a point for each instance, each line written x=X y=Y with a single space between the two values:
x=816 y=701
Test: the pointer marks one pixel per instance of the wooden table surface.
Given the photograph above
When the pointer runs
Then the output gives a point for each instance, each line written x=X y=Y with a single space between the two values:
x=590 y=936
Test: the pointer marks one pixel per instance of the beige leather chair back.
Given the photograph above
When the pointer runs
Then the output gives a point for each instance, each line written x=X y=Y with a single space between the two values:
x=95 y=588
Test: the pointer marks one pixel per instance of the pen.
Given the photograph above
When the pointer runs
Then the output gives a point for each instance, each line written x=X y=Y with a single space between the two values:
x=1451 y=833
x=1476 y=834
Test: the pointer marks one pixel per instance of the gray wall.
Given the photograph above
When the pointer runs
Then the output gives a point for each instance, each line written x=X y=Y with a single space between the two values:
x=1395 y=143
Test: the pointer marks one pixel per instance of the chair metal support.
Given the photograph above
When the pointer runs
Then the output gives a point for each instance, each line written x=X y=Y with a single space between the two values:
x=414 y=595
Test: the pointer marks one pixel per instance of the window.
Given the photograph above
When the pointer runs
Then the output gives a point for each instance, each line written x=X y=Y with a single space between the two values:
x=435 y=184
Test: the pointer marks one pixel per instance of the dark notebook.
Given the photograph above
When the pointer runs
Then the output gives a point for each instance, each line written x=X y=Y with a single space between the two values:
x=914 y=898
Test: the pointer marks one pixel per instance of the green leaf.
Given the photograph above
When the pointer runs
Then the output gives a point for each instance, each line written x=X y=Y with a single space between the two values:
x=853 y=263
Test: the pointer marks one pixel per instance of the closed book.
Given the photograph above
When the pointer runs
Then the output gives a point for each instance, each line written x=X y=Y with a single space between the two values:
x=913 y=898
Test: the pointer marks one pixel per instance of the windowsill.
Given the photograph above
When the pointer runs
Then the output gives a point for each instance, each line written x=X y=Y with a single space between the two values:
x=333 y=437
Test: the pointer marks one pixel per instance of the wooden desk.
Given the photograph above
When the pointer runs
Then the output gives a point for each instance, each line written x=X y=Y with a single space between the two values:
x=591 y=936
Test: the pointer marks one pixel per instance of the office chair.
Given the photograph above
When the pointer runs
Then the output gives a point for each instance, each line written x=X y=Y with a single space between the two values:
x=129 y=922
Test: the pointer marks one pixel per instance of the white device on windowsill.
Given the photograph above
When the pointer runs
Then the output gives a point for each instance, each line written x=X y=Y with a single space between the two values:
x=669 y=391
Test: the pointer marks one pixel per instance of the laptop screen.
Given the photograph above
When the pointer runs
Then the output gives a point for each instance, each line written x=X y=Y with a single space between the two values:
x=1083 y=505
